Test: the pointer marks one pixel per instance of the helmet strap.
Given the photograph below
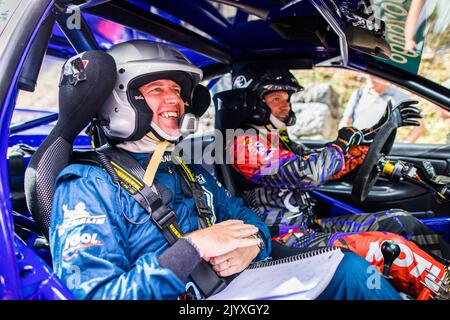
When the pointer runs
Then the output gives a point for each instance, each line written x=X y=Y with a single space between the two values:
x=161 y=135
x=277 y=123
x=291 y=119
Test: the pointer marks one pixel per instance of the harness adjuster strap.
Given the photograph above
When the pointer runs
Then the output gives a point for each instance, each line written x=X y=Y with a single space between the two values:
x=207 y=280
x=171 y=232
x=202 y=206
x=203 y=210
x=163 y=216
x=166 y=220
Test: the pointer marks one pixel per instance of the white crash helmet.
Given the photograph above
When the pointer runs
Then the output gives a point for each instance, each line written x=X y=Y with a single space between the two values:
x=125 y=115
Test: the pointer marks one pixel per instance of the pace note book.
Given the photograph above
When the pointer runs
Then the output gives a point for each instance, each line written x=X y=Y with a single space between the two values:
x=303 y=276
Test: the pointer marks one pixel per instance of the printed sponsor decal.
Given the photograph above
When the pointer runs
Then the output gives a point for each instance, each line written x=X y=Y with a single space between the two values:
x=79 y=241
x=74 y=70
x=242 y=82
x=395 y=15
x=200 y=178
x=78 y=216
x=166 y=158
x=256 y=147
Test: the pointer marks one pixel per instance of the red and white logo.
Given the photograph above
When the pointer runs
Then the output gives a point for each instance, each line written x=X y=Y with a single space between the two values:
x=417 y=265
x=79 y=241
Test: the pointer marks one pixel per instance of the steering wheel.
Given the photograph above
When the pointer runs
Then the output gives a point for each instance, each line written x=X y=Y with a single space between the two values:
x=368 y=172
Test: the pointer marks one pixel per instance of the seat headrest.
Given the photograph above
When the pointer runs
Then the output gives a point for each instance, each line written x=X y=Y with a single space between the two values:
x=233 y=107
x=87 y=80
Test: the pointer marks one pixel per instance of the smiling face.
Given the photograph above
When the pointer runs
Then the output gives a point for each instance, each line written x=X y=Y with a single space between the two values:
x=163 y=98
x=278 y=102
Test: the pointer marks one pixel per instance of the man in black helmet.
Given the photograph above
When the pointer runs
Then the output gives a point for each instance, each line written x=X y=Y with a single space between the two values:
x=274 y=175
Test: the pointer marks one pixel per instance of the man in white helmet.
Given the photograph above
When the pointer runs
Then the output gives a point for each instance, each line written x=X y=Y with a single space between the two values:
x=118 y=249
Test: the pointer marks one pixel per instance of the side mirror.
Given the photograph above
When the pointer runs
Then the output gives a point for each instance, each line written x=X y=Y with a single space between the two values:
x=367 y=41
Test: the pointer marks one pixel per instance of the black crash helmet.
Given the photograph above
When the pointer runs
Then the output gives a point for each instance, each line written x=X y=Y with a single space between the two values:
x=260 y=80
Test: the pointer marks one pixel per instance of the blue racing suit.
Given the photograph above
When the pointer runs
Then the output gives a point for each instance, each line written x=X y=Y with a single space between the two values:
x=104 y=245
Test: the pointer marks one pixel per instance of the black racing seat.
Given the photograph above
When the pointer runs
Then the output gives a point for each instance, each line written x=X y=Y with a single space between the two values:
x=232 y=108
x=16 y=168
x=86 y=81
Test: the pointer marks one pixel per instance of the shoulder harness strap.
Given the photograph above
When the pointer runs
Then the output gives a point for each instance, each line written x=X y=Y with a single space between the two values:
x=114 y=161
x=126 y=171
x=204 y=211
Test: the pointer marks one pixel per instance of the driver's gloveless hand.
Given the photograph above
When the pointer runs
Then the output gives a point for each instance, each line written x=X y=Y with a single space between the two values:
x=347 y=138
x=403 y=114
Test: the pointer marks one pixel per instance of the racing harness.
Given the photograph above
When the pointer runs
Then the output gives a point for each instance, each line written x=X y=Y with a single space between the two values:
x=127 y=172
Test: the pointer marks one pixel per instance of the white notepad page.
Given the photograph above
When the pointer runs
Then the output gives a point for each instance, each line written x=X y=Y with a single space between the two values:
x=301 y=279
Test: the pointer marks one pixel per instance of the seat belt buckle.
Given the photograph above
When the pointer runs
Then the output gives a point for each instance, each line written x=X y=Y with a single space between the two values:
x=207 y=279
